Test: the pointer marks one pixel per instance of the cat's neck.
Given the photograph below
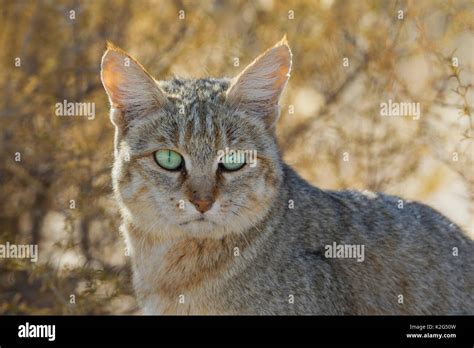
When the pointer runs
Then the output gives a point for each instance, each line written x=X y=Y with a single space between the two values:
x=187 y=265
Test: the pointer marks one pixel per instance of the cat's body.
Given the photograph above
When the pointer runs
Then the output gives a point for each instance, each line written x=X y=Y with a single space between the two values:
x=406 y=253
x=207 y=240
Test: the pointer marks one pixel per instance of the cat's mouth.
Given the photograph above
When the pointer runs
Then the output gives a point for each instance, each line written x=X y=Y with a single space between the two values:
x=200 y=219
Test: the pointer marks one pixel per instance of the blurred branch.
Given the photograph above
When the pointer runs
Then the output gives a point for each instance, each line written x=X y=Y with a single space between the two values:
x=332 y=99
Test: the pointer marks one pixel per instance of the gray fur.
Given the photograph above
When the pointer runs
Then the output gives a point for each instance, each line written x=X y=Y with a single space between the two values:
x=409 y=252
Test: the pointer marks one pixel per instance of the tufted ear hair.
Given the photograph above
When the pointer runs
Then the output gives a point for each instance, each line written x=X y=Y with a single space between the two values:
x=259 y=86
x=132 y=92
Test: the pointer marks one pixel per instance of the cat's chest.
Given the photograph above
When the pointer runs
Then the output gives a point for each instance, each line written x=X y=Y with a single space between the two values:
x=180 y=277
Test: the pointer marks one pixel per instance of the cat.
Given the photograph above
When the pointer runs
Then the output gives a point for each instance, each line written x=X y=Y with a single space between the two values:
x=208 y=234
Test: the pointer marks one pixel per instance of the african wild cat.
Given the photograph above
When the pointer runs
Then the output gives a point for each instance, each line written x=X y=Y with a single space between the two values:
x=211 y=235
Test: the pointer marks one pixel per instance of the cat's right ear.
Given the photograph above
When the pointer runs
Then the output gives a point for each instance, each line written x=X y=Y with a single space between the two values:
x=132 y=92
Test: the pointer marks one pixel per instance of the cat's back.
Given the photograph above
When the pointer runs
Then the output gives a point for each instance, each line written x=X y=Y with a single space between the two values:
x=368 y=215
x=408 y=248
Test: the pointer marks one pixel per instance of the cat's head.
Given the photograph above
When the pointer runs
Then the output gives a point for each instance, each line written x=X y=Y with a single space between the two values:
x=198 y=156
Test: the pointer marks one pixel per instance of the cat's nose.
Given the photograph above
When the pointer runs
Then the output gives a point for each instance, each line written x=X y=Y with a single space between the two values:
x=202 y=204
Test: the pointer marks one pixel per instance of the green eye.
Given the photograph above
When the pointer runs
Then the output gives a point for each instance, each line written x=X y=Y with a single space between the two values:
x=168 y=159
x=232 y=162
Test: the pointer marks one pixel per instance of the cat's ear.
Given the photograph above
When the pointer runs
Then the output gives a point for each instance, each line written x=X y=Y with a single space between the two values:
x=131 y=89
x=258 y=88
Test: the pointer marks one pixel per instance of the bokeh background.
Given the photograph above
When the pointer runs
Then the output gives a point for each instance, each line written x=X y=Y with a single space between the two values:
x=330 y=110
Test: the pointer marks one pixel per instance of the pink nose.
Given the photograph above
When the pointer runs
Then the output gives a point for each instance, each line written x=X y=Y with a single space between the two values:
x=202 y=205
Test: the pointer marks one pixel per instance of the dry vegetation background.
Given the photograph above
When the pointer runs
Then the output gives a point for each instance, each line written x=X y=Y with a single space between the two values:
x=328 y=110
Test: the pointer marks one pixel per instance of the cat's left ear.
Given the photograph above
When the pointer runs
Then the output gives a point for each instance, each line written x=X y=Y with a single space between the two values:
x=258 y=88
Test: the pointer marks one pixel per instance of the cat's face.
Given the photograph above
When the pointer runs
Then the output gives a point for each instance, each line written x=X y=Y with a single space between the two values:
x=196 y=157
